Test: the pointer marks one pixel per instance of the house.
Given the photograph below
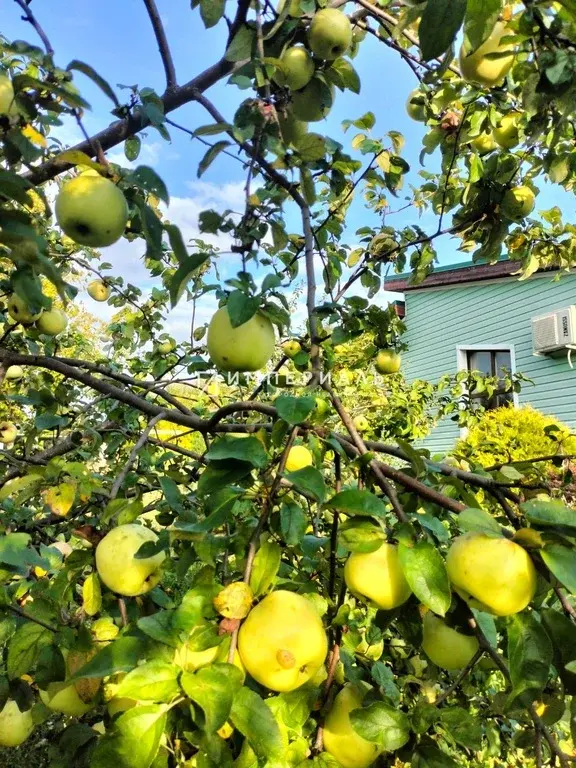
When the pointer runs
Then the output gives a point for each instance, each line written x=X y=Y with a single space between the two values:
x=480 y=317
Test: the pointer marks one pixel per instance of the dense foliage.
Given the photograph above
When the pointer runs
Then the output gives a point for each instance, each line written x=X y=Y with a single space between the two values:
x=204 y=571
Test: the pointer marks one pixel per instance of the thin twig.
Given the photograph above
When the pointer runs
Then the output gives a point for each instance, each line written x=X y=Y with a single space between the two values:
x=25 y=615
x=461 y=675
x=311 y=295
x=162 y=41
x=29 y=17
x=142 y=440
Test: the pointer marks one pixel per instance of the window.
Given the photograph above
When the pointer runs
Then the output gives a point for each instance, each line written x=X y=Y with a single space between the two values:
x=495 y=363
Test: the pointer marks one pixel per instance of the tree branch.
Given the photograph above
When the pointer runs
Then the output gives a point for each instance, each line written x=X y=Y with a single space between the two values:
x=31 y=19
x=311 y=295
x=142 y=440
x=28 y=617
x=162 y=41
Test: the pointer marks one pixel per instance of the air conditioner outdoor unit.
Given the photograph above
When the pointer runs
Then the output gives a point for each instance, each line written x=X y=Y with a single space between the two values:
x=555 y=331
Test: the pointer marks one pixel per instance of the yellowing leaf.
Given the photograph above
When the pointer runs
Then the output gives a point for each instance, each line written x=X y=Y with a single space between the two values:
x=34 y=136
x=383 y=161
x=92 y=595
x=75 y=157
x=60 y=498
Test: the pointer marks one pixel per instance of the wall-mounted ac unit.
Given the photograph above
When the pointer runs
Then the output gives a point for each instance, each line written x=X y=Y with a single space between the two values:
x=555 y=331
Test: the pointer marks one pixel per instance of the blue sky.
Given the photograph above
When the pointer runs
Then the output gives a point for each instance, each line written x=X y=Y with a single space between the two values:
x=117 y=40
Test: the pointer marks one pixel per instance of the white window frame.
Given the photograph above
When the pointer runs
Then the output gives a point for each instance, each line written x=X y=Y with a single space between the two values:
x=462 y=364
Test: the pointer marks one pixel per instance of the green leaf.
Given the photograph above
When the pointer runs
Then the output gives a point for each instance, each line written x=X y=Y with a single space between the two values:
x=381 y=724
x=213 y=688
x=439 y=24
x=211 y=155
x=293 y=523
x=481 y=16
x=154 y=681
x=308 y=186
x=428 y=756
x=241 y=308
x=255 y=721
x=25 y=647
x=549 y=513
x=383 y=676
x=146 y=178
x=186 y=271
x=343 y=74
x=561 y=561
x=132 y=147
x=87 y=70
x=213 y=129
x=176 y=242
x=529 y=658
x=562 y=632
x=248 y=449
x=241 y=46
x=464 y=727
x=473 y=519
x=212 y=11
x=265 y=569
x=15 y=551
x=357 y=502
x=121 y=655
x=311 y=147
x=310 y=481
x=361 y=535
x=134 y=739
x=426 y=574
x=294 y=410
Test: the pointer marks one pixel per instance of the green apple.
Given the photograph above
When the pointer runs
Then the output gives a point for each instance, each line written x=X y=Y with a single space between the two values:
x=507 y=134
x=8 y=432
x=518 y=202
x=444 y=646
x=14 y=372
x=117 y=565
x=64 y=698
x=416 y=110
x=340 y=739
x=7 y=103
x=52 y=322
x=330 y=34
x=15 y=726
x=291 y=348
x=291 y=129
x=98 y=290
x=166 y=346
x=19 y=311
x=484 y=143
x=478 y=67
x=247 y=347
x=361 y=423
x=91 y=210
x=296 y=68
x=313 y=102
x=388 y=361
x=377 y=577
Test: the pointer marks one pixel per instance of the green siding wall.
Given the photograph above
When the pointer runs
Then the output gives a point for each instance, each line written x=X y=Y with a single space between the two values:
x=439 y=320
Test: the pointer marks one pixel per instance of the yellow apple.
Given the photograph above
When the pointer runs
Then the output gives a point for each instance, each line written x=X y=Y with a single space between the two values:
x=291 y=129
x=8 y=432
x=91 y=210
x=245 y=348
x=291 y=348
x=417 y=111
x=388 y=361
x=340 y=739
x=361 y=423
x=444 y=646
x=478 y=67
x=15 y=726
x=166 y=346
x=313 y=102
x=117 y=565
x=296 y=68
x=19 y=311
x=7 y=103
x=298 y=457
x=282 y=642
x=330 y=34
x=52 y=322
x=484 y=143
x=492 y=574
x=64 y=698
x=517 y=203
x=14 y=372
x=377 y=577
x=98 y=290
x=507 y=134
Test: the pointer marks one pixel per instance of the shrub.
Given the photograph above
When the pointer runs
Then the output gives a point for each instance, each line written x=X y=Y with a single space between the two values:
x=509 y=434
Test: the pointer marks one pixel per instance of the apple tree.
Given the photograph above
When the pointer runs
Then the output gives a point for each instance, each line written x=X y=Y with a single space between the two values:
x=202 y=568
